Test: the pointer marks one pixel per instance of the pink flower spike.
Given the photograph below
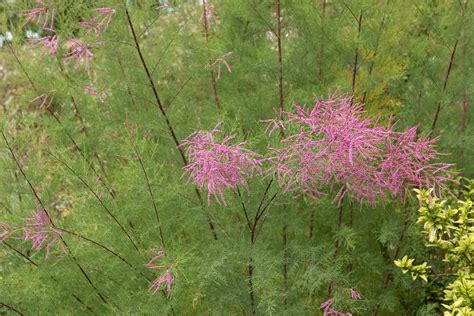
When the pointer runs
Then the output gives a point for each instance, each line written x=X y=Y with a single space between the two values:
x=333 y=145
x=158 y=255
x=166 y=278
x=216 y=165
x=40 y=231
x=5 y=233
x=355 y=295
x=40 y=15
x=100 y=23
x=219 y=61
x=329 y=311
x=49 y=44
x=79 y=52
x=93 y=92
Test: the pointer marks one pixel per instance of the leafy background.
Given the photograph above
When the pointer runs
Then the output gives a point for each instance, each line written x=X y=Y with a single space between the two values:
x=403 y=52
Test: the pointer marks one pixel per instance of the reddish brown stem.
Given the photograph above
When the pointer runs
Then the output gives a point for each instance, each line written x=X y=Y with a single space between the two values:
x=280 y=59
x=165 y=116
x=9 y=307
x=445 y=84
x=211 y=71
x=372 y=64
x=321 y=47
x=356 y=58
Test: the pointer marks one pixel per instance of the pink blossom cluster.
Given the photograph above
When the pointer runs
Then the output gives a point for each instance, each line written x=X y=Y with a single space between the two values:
x=333 y=145
x=44 y=17
x=41 y=16
x=80 y=52
x=166 y=278
x=221 y=61
x=217 y=165
x=93 y=92
x=329 y=310
x=330 y=146
x=39 y=230
x=49 y=44
x=101 y=22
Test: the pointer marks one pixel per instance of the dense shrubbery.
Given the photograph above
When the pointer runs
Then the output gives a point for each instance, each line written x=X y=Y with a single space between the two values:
x=121 y=195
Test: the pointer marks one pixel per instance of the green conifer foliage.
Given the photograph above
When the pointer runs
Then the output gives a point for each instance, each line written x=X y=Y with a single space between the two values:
x=98 y=146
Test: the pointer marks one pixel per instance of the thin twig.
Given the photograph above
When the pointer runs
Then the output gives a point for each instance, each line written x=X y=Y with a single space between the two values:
x=445 y=84
x=165 y=116
x=356 y=58
x=211 y=70
x=98 y=198
x=13 y=309
x=148 y=184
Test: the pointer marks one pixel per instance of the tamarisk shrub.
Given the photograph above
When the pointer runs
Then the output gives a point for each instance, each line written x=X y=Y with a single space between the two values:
x=273 y=201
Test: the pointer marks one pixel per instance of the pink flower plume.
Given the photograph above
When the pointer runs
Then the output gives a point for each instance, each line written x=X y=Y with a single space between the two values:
x=101 y=22
x=39 y=230
x=49 y=44
x=333 y=145
x=80 y=52
x=217 y=165
x=93 y=92
x=165 y=278
x=41 y=16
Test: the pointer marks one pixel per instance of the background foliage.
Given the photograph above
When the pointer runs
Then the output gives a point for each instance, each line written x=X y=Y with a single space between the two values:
x=402 y=59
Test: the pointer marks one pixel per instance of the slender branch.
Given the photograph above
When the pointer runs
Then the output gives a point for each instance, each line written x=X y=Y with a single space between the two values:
x=6 y=207
x=356 y=58
x=21 y=66
x=82 y=154
x=150 y=191
x=9 y=307
x=155 y=90
x=211 y=71
x=97 y=244
x=57 y=120
x=180 y=89
x=250 y=285
x=122 y=69
x=376 y=50
x=165 y=116
x=112 y=252
x=445 y=84
x=244 y=209
x=98 y=198
x=280 y=61
x=21 y=254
